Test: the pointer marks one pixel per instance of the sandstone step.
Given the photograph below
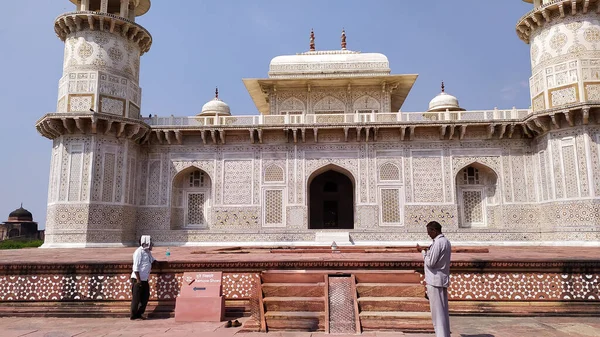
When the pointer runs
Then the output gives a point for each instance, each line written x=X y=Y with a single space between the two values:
x=295 y=320
x=399 y=321
x=310 y=304
x=292 y=277
x=390 y=289
x=293 y=289
x=410 y=304
x=397 y=276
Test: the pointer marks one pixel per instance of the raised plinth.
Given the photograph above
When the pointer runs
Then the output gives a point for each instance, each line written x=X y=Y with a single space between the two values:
x=72 y=22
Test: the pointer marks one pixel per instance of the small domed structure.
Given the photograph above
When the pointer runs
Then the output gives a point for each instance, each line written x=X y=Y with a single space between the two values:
x=215 y=107
x=20 y=214
x=20 y=224
x=444 y=102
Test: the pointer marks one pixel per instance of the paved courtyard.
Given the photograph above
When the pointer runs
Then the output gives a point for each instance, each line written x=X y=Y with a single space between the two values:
x=461 y=327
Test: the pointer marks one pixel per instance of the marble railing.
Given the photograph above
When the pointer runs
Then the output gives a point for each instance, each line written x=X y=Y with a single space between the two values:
x=324 y=119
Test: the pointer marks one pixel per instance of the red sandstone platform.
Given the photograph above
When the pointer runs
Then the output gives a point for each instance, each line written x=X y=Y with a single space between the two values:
x=255 y=256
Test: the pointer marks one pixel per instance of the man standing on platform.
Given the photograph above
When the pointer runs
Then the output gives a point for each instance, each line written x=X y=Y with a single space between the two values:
x=140 y=289
x=437 y=276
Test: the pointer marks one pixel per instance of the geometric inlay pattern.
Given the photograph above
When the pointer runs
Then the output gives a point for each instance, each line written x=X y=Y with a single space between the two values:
x=341 y=305
x=390 y=205
x=472 y=205
x=273 y=173
x=195 y=209
x=237 y=183
x=75 y=172
x=564 y=96
x=80 y=103
x=108 y=287
x=112 y=106
x=273 y=207
x=524 y=286
x=428 y=182
x=389 y=171
x=108 y=178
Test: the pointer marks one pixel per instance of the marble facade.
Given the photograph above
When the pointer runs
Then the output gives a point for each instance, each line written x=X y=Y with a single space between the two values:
x=489 y=177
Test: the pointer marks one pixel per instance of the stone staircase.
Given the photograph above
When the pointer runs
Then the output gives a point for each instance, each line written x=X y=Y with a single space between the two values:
x=343 y=302
x=392 y=300
x=294 y=301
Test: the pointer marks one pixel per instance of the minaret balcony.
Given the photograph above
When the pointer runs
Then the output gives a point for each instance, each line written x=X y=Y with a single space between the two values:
x=72 y=22
x=555 y=9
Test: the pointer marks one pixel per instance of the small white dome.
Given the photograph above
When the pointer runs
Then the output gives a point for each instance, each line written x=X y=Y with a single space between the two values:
x=443 y=102
x=215 y=106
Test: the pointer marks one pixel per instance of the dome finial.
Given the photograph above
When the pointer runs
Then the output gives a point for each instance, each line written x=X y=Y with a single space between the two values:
x=217 y=92
x=312 y=40
x=443 y=87
x=343 y=39
x=21 y=204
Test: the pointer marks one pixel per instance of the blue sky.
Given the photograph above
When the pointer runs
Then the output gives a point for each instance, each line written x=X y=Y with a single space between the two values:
x=199 y=44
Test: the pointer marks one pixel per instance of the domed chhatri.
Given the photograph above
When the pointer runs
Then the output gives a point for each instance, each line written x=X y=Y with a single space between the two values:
x=215 y=107
x=20 y=214
x=20 y=224
x=444 y=102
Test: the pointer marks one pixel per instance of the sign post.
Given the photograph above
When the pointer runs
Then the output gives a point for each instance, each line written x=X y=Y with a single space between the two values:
x=200 y=298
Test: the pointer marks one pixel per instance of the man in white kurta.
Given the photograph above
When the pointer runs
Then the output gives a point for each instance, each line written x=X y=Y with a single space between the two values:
x=140 y=289
x=437 y=276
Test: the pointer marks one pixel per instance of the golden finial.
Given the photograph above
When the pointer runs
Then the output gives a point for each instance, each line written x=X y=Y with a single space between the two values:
x=443 y=86
x=312 y=40
x=343 y=39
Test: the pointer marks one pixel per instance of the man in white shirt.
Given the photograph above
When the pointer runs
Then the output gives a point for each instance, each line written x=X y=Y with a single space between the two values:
x=437 y=276
x=140 y=289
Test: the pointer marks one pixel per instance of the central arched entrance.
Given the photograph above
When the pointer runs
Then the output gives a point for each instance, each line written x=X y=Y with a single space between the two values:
x=331 y=200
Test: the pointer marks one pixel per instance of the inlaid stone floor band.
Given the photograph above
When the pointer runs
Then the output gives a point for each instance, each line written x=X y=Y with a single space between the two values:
x=341 y=305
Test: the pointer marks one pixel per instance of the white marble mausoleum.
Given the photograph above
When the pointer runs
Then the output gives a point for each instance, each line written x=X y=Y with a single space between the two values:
x=329 y=156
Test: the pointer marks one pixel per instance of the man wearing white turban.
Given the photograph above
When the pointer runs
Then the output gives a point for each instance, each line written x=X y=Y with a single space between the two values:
x=140 y=289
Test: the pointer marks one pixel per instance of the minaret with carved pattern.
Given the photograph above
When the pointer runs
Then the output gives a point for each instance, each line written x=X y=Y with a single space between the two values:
x=97 y=126
x=565 y=52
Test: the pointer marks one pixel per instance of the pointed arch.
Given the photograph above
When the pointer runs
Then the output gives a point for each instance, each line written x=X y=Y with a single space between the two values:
x=292 y=105
x=366 y=103
x=389 y=172
x=331 y=198
x=191 y=194
x=274 y=173
x=476 y=191
x=329 y=104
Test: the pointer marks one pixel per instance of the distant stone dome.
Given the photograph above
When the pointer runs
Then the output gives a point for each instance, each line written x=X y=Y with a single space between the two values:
x=443 y=102
x=215 y=107
x=20 y=214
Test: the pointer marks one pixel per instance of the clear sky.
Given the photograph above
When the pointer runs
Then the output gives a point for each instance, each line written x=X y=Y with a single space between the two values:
x=199 y=44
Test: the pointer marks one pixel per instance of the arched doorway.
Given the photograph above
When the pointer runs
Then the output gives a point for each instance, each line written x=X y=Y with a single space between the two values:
x=190 y=199
x=476 y=187
x=331 y=200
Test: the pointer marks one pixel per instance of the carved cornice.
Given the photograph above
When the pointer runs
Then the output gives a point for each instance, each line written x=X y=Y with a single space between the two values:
x=54 y=125
x=72 y=22
x=569 y=266
x=543 y=14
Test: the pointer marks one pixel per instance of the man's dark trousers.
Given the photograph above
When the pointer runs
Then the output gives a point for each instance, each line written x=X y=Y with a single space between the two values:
x=140 y=294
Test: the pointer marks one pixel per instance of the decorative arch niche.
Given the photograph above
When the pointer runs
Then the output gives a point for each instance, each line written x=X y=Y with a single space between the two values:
x=292 y=106
x=476 y=191
x=191 y=196
x=331 y=198
x=366 y=104
x=329 y=105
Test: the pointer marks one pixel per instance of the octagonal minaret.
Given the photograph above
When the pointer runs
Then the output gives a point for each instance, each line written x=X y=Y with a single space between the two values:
x=564 y=36
x=103 y=45
x=97 y=127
